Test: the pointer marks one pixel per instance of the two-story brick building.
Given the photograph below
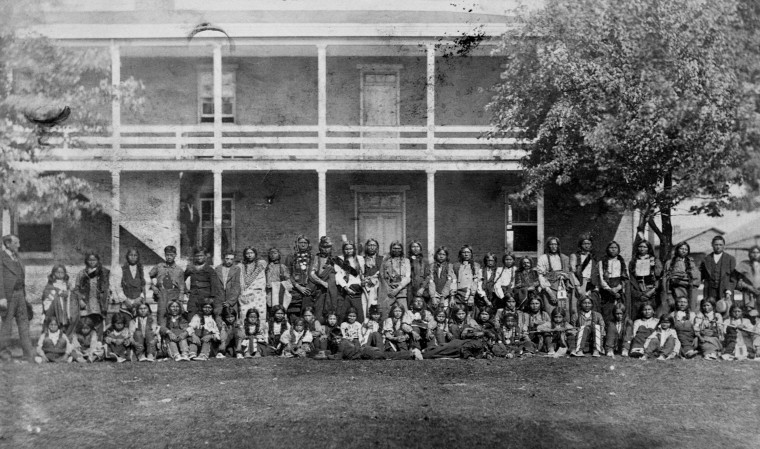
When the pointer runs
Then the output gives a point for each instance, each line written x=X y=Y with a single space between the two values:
x=343 y=118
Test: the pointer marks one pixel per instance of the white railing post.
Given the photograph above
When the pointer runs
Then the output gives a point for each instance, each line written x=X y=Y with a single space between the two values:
x=217 y=102
x=217 y=216
x=431 y=213
x=322 y=96
x=178 y=142
x=115 y=100
x=430 y=99
x=322 y=200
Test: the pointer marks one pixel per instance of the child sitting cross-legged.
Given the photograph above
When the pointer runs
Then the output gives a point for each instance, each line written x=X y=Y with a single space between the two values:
x=86 y=347
x=174 y=336
x=557 y=334
x=117 y=339
x=297 y=341
x=53 y=345
x=663 y=342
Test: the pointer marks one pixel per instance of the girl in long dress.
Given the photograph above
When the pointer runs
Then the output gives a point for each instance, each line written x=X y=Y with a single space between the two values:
x=253 y=284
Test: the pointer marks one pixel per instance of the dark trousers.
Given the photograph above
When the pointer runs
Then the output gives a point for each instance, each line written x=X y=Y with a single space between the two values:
x=17 y=311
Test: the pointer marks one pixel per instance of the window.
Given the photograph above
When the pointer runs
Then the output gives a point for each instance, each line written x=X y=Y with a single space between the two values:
x=521 y=226
x=228 y=223
x=35 y=237
x=206 y=96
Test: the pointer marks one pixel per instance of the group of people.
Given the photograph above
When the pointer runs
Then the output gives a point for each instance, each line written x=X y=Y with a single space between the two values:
x=399 y=306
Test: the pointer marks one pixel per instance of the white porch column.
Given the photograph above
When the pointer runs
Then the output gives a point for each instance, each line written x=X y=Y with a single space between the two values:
x=322 y=95
x=115 y=218
x=217 y=216
x=540 y=223
x=6 y=226
x=431 y=214
x=322 y=200
x=217 y=102
x=115 y=100
x=430 y=98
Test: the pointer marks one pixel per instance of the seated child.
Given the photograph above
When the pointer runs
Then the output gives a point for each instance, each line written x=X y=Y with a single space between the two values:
x=510 y=306
x=663 y=342
x=317 y=330
x=556 y=333
x=708 y=326
x=342 y=349
x=739 y=331
x=512 y=338
x=297 y=340
x=533 y=318
x=86 y=347
x=619 y=333
x=255 y=337
x=422 y=323
x=143 y=331
x=53 y=345
x=117 y=340
x=278 y=325
x=351 y=328
x=203 y=331
x=683 y=320
x=230 y=333
x=590 y=327
x=371 y=332
x=480 y=336
x=642 y=329
x=441 y=333
x=174 y=334
x=397 y=333
x=453 y=347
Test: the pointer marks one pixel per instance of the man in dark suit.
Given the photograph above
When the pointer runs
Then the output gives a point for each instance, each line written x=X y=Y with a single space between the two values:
x=13 y=297
x=203 y=282
x=716 y=271
x=228 y=283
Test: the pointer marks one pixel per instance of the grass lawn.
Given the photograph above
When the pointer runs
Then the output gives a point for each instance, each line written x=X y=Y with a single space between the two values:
x=288 y=403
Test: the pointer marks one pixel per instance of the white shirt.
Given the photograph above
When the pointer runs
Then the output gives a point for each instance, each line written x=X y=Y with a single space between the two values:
x=716 y=257
x=133 y=270
x=643 y=267
x=586 y=271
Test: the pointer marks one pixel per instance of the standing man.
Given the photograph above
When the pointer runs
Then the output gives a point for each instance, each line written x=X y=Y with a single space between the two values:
x=13 y=297
x=168 y=283
x=228 y=283
x=202 y=283
x=716 y=272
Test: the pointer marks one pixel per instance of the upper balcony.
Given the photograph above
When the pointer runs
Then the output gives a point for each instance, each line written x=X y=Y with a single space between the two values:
x=298 y=82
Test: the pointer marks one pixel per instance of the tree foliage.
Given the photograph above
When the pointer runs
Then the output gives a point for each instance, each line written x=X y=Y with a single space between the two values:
x=38 y=76
x=639 y=104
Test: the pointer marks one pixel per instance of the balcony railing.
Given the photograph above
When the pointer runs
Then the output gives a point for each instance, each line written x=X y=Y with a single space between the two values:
x=287 y=142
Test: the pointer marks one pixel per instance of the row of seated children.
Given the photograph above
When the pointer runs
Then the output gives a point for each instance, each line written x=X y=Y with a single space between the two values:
x=680 y=333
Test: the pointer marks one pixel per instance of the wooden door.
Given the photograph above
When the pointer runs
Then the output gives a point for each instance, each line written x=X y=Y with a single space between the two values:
x=381 y=217
x=380 y=107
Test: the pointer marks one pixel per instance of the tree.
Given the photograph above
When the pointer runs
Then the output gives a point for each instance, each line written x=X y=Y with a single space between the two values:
x=639 y=104
x=38 y=79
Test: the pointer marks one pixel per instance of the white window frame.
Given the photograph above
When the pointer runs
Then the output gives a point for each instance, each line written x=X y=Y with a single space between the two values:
x=207 y=70
x=509 y=223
